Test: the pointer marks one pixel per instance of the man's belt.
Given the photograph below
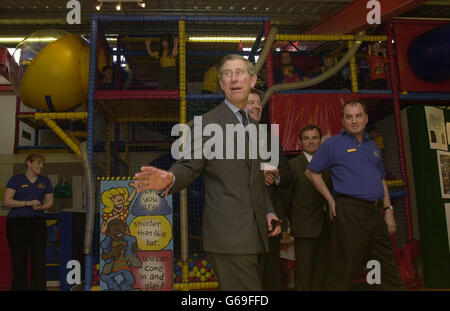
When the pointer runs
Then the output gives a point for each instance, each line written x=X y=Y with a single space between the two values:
x=377 y=203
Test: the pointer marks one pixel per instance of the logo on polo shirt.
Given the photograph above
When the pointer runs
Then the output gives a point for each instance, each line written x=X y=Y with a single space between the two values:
x=41 y=185
x=351 y=150
x=375 y=153
x=24 y=186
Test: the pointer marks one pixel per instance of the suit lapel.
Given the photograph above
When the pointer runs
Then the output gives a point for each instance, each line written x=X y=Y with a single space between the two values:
x=302 y=160
x=226 y=116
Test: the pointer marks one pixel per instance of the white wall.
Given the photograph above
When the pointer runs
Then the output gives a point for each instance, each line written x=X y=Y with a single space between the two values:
x=7 y=122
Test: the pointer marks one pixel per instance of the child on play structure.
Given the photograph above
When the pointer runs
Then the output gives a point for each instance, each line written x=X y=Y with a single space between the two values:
x=288 y=74
x=377 y=60
x=167 y=56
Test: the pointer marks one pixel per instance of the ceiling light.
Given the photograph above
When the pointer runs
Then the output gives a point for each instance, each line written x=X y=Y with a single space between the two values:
x=141 y=3
x=11 y=39
x=98 y=6
x=118 y=6
x=20 y=39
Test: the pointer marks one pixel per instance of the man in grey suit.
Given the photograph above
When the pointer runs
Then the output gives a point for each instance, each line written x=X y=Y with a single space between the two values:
x=308 y=214
x=238 y=215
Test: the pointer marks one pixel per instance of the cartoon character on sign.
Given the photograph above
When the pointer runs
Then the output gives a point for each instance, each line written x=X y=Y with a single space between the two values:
x=119 y=253
x=116 y=202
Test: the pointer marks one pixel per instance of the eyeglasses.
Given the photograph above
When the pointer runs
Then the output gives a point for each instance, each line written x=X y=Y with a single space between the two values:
x=238 y=73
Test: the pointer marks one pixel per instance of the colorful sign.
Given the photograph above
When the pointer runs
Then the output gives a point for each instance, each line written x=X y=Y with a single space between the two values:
x=136 y=240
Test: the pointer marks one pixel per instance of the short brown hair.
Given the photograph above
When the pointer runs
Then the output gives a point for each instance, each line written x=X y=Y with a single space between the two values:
x=35 y=156
x=310 y=127
x=255 y=91
x=353 y=103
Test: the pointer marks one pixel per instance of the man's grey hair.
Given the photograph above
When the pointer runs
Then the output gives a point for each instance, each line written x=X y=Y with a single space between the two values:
x=250 y=66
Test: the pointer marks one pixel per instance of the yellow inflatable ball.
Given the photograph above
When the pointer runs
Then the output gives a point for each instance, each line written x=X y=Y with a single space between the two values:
x=51 y=72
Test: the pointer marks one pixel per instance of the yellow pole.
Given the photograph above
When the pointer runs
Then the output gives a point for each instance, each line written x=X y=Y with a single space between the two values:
x=281 y=37
x=61 y=134
x=353 y=73
x=182 y=54
x=75 y=140
x=183 y=193
x=61 y=115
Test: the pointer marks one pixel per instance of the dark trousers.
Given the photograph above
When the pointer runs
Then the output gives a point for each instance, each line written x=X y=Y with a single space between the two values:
x=312 y=260
x=358 y=234
x=271 y=269
x=306 y=250
x=237 y=272
x=167 y=78
x=27 y=238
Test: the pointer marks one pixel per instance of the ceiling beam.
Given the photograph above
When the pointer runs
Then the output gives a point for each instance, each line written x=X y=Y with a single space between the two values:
x=352 y=18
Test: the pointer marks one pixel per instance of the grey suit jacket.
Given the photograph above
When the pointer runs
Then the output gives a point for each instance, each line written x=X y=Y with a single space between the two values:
x=236 y=201
x=306 y=203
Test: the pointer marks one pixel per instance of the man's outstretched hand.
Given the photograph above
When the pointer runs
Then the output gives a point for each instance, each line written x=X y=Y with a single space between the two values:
x=152 y=178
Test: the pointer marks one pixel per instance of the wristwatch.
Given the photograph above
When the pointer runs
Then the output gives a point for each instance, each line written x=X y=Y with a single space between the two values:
x=389 y=207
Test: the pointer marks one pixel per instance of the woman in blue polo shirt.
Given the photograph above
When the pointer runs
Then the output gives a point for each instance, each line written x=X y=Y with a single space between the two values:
x=28 y=195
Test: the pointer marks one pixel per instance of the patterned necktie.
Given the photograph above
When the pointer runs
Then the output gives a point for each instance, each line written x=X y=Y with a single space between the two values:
x=245 y=123
x=244 y=117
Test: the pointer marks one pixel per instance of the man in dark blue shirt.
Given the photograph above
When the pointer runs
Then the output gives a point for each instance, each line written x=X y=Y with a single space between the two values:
x=359 y=227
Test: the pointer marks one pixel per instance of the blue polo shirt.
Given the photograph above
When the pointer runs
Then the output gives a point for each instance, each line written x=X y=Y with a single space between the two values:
x=28 y=191
x=356 y=168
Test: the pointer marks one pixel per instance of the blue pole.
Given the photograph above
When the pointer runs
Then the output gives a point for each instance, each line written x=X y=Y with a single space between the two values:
x=256 y=45
x=90 y=133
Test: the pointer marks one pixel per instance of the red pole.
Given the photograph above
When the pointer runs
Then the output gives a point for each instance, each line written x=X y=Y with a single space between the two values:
x=398 y=125
x=16 y=134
